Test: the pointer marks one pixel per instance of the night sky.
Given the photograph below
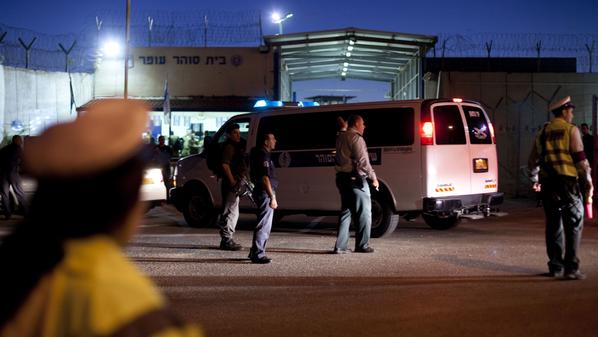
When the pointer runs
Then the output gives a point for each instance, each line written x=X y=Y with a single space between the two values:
x=420 y=17
x=430 y=17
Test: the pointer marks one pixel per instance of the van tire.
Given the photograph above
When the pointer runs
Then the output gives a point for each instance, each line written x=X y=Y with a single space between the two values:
x=384 y=221
x=198 y=209
x=441 y=222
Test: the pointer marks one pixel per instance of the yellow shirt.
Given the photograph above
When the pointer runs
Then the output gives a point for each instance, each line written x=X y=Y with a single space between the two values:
x=95 y=291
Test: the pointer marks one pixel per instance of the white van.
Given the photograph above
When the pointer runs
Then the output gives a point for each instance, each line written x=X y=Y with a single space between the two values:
x=435 y=157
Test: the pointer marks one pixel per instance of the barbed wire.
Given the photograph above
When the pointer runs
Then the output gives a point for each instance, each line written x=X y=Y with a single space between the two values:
x=216 y=28
x=520 y=45
x=207 y=28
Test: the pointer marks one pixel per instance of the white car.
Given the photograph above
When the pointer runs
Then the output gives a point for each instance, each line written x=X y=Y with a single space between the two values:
x=153 y=189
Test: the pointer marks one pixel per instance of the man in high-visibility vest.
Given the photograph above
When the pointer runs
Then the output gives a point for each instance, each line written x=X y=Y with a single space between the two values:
x=564 y=174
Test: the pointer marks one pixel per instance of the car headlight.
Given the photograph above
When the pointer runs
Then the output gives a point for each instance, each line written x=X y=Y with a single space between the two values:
x=152 y=176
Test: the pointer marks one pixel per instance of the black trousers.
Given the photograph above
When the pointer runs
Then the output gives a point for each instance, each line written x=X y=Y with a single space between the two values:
x=563 y=208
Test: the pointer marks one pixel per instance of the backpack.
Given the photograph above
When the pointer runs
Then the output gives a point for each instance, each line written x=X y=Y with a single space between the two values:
x=214 y=157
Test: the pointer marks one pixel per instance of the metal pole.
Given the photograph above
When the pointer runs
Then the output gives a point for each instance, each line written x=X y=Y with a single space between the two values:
x=590 y=50
x=594 y=132
x=205 y=31
x=280 y=28
x=150 y=23
x=594 y=115
x=127 y=34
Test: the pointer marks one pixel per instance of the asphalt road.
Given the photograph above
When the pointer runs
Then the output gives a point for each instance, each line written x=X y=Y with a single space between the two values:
x=483 y=278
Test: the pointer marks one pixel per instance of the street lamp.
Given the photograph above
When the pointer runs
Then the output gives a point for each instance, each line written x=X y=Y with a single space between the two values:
x=277 y=18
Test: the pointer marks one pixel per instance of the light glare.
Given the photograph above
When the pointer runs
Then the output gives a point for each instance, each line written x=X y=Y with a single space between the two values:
x=112 y=49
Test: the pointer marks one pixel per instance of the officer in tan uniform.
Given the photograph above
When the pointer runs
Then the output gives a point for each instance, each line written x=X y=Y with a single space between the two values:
x=64 y=272
x=557 y=157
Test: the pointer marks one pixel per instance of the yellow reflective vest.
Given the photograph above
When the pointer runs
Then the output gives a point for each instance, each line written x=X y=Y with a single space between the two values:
x=553 y=145
x=95 y=291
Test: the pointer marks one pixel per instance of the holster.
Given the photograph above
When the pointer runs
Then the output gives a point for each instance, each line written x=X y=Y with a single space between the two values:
x=560 y=190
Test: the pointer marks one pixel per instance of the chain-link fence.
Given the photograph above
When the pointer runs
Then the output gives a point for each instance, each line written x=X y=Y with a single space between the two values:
x=24 y=48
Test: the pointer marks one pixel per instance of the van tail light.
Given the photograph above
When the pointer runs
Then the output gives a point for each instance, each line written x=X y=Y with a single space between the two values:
x=458 y=100
x=492 y=132
x=427 y=133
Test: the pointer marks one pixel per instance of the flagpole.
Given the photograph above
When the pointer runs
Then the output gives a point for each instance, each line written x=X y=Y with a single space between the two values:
x=127 y=34
x=166 y=107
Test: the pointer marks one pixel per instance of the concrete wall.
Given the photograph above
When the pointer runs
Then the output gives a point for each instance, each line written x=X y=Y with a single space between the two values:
x=190 y=72
x=38 y=99
x=518 y=106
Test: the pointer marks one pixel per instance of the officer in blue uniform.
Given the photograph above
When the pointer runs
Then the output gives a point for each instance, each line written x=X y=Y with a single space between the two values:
x=264 y=179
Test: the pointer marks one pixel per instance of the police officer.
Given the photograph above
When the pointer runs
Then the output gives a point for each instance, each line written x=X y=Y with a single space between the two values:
x=264 y=194
x=353 y=170
x=10 y=163
x=558 y=157
x=588 y=143
x=233 y=170
x=64 y=269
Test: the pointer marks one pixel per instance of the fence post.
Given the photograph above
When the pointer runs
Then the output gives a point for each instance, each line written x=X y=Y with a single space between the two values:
x=2 y=36
x=66 y=54
x=27 y=50
x=488 y=50
x=442 y=55
x=150 y=24
x=590 y=51
x=205 y=30
x=538 y=49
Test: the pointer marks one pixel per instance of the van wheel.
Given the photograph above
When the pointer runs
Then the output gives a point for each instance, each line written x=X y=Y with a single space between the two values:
x=198 y=209
x=384 y=221
x=441 y=222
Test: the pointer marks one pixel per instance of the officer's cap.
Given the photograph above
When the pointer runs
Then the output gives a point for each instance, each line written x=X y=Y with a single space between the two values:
x=561 y=104
x=105 y=136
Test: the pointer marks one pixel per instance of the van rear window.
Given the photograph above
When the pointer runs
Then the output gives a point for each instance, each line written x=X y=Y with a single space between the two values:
x=448 y=125
x=479 y=132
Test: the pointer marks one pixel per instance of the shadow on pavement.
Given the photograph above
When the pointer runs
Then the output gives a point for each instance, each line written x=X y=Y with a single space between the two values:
x=186 y=260
x=485 y=265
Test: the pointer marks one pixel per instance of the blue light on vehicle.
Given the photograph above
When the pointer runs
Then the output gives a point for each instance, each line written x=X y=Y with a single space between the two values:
x=262 y=103
x=307 y=104
x=17 y=126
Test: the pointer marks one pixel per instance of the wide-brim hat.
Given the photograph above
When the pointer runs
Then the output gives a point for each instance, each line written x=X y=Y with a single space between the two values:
x=103 y=137
x=561 y=104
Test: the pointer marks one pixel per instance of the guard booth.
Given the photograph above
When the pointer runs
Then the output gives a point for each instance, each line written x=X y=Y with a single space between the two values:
x=392 y=57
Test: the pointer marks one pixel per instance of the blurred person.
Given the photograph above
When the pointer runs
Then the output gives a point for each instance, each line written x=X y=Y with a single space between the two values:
x=233 y=169
x=557 y=166
x=179 y=145
x=162 y=155
x=64 y=269
x=353 y=170
x=588 y=143
x=264 y=194
x=10 y=167
x=342 y=124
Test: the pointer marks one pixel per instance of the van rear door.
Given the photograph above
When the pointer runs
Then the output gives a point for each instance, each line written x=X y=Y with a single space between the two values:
x=482 y=149
x=447 y=159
